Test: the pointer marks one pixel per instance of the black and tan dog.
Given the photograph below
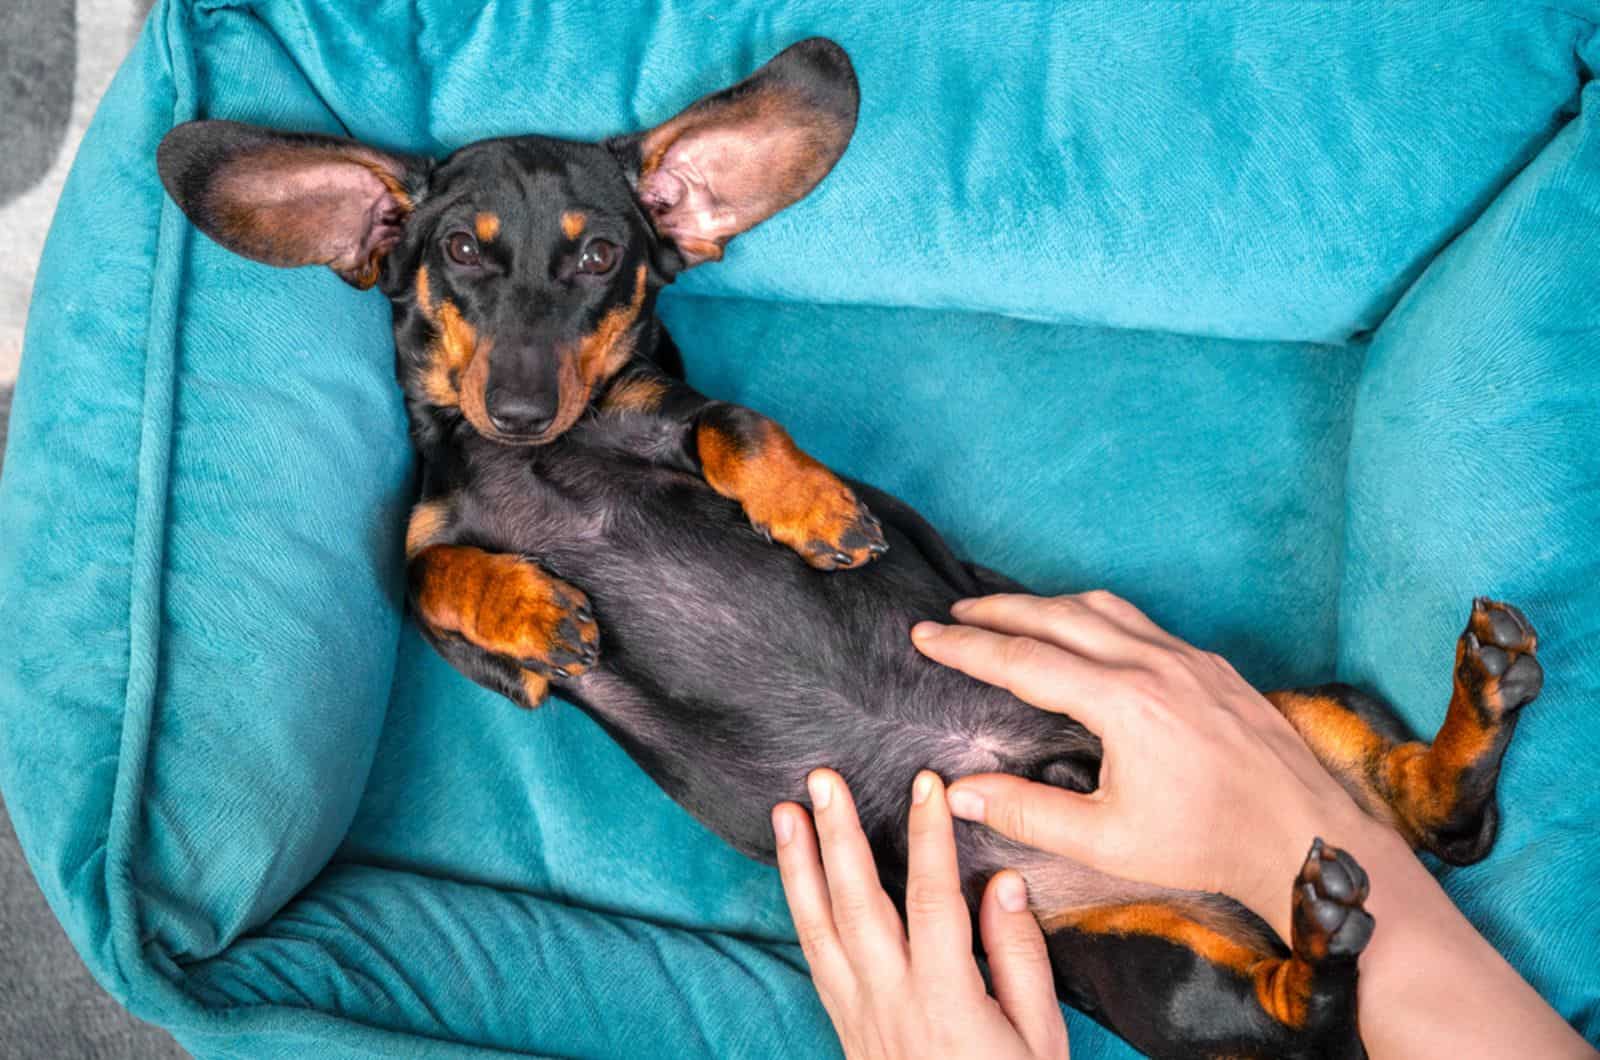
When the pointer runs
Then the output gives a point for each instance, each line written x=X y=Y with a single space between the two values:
x=573 y=485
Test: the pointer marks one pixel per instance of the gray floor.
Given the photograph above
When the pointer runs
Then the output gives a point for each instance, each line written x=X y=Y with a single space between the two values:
x=56 y=59
x=50 y=1008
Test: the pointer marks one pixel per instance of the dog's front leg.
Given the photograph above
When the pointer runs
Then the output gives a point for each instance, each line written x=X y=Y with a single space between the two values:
x=788 y=495
x=528 y=626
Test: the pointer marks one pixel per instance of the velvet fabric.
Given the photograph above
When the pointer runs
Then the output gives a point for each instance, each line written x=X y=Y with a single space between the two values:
x=1278 y=318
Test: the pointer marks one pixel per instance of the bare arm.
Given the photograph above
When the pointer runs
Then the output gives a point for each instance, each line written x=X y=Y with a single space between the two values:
x=1432 y=986
x=1215 y=758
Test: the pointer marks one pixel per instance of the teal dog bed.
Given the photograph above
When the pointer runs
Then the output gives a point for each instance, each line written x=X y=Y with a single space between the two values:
x=1282 y=319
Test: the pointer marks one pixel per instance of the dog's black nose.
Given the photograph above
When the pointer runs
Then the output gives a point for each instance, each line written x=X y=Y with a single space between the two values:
x=517 y=413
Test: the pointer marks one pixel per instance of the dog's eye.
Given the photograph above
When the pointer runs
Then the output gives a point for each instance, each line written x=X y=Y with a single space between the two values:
x=598 y=257
x=462 y=248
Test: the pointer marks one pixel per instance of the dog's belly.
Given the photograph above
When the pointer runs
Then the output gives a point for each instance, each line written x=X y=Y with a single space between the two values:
x=729 y=670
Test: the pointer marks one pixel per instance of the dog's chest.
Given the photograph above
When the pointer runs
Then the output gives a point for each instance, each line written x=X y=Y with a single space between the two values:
x=576 y=498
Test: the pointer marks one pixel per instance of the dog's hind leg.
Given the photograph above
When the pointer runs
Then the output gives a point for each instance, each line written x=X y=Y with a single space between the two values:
x=1440 y=795
x=1178 y=984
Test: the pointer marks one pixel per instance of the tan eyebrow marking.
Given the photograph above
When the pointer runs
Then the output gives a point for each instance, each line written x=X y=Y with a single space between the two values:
x=487 y=225
x=572 y=223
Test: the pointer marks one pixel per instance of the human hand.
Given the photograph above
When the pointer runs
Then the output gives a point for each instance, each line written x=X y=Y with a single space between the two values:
x=892 y=993
x=1191 y=752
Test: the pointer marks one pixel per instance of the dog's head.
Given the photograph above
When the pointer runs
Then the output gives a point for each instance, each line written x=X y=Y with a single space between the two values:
x=523 y=270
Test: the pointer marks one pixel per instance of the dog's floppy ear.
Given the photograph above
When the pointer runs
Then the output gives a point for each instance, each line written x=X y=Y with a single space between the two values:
x=737 y=157
x=291 y=198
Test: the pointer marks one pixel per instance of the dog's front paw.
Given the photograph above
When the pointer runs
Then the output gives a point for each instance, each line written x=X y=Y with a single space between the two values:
x=788 y=496
x=831 y=530
x=564 y=642
x=508 y=606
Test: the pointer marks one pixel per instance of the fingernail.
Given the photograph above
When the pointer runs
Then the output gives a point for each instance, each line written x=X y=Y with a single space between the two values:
x=921 y=788
x=821 y=788
x=960 y=606
x=782 y=827
x=1011 y=892
x=967 y=805
x=926 y=630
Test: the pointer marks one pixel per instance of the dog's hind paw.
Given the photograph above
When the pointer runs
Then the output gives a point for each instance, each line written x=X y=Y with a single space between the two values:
x=1497 y=664
x=1329 y=918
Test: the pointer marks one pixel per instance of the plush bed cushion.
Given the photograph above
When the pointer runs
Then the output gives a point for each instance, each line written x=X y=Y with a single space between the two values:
x=1108 y=290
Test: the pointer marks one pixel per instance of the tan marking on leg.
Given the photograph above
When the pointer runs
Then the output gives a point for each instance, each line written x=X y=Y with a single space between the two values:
x=534 y=687
x=786 y=493
x=1343 y=742
x=635 y=395
x=1424 y=778
x=500 y=603
x=1341 y=736
x=1412 y=786
x=1159 y=921
x=1282 y=984
x=428 y=521
x=1283 y=988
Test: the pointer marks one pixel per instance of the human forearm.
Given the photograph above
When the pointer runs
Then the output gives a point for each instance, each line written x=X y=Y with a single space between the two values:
x=1214 y=758
x=1431 y=985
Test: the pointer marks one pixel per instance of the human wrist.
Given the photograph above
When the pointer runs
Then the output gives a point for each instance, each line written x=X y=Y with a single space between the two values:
x=1338 y=823
x=1431 y=985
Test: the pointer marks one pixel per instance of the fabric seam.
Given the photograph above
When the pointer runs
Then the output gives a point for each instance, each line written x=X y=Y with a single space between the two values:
x=147 y=578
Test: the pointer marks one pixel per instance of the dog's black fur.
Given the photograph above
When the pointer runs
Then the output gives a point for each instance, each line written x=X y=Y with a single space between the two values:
x=560 y=453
